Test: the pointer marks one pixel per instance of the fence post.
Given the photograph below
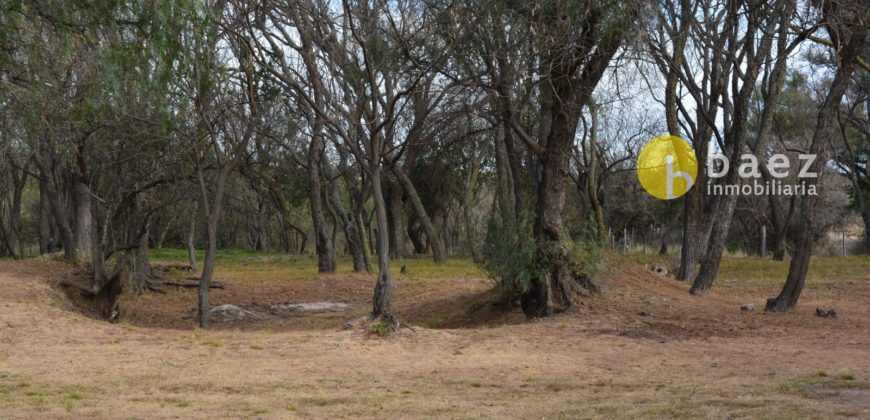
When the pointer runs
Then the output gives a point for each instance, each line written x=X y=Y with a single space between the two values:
x=844 y=239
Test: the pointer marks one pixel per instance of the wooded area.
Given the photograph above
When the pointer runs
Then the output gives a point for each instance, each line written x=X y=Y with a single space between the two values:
x=505 y=131
x=401 y=138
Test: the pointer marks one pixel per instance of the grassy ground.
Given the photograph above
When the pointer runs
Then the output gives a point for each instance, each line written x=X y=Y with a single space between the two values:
x=644 y=348
x=257 y=266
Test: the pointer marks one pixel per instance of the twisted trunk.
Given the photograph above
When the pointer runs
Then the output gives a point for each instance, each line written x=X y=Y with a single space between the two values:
x=384 y=285
x=352 y=235
x=800 y=262
x=323 y=242
x=432 y=237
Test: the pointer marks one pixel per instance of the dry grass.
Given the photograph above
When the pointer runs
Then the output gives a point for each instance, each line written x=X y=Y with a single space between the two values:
x=688 y=357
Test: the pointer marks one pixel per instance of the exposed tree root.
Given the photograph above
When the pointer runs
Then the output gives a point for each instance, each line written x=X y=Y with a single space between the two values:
x=382 y=325
x=103 y=295
x=558 y=292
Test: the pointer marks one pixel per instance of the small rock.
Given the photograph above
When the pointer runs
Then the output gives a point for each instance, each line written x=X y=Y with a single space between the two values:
x=659 y=270
x=310 y=306
x=747 y=307
x=830 y=313
x=229 y=312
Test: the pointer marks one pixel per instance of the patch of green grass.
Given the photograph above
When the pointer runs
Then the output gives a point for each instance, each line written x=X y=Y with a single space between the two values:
x=258 y=411
x=476 y=384
x=761 y=272
x=211 y=343
x=325 y=402
x=476 y=306
x=434 y=322
x=258 y=266
x=256 y=347
x=739 y=270
x=376 y=400
x=182 y=404
x=69 y=401
x=291 y=407
x=667 y=411
x=553 y=387
x=380 y=329
x=800 y=385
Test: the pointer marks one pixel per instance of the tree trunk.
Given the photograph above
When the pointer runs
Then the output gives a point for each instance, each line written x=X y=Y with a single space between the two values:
x=191 y=238
x=715 y=244
x=735 y=138
x=470 y=187
x=396 y=217
x=800 y=261
x=566 y=93
x=432 y=236
x=207 y=268
x=384 y=286
x=693 y=239
x=14 y=239
x=58 y=210
x=415 y=234
x=592 y=173
x=865 y=217
x=45 y=240
x=504 y=190
x=163 y=233
x=540 y=299
x=84 y=221
x=99 y=228
x=290 y=230
x=780 y=225
x=663 y=238
x=213 y=214
x=352 y=235
x=140 y=273
x=322 y=241
x=513 y=161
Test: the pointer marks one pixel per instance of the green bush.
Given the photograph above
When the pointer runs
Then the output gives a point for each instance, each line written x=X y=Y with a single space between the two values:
x=513 y=259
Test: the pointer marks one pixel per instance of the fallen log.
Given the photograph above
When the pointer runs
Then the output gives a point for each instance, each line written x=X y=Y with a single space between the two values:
x=170 y=267
x=193 y=283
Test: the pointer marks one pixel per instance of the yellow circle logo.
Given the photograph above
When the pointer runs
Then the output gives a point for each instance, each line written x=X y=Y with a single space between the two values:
x=667 y=167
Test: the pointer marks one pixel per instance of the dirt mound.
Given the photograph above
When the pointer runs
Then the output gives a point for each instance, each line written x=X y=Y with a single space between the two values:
x=635 y=302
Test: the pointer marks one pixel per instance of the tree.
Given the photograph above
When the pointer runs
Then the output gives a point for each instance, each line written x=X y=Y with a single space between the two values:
x=846 y=24
x=576 y=45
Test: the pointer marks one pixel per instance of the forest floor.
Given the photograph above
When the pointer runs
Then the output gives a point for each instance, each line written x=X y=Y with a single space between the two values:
x=644 y=348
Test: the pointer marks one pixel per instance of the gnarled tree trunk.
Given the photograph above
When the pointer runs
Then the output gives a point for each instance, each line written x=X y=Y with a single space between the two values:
x=322 y=241
x=432 y=237
x=800 y=261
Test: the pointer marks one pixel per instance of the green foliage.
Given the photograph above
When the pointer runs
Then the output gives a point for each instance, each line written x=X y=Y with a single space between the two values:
x=585 y=248
x=510 y=255
x=514 y=260
x=379 y=328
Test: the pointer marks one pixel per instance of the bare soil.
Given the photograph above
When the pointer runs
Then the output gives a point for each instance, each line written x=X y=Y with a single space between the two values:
x=644 y=348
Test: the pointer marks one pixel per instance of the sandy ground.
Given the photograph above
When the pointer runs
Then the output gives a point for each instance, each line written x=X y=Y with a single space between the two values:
x=645 y=348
